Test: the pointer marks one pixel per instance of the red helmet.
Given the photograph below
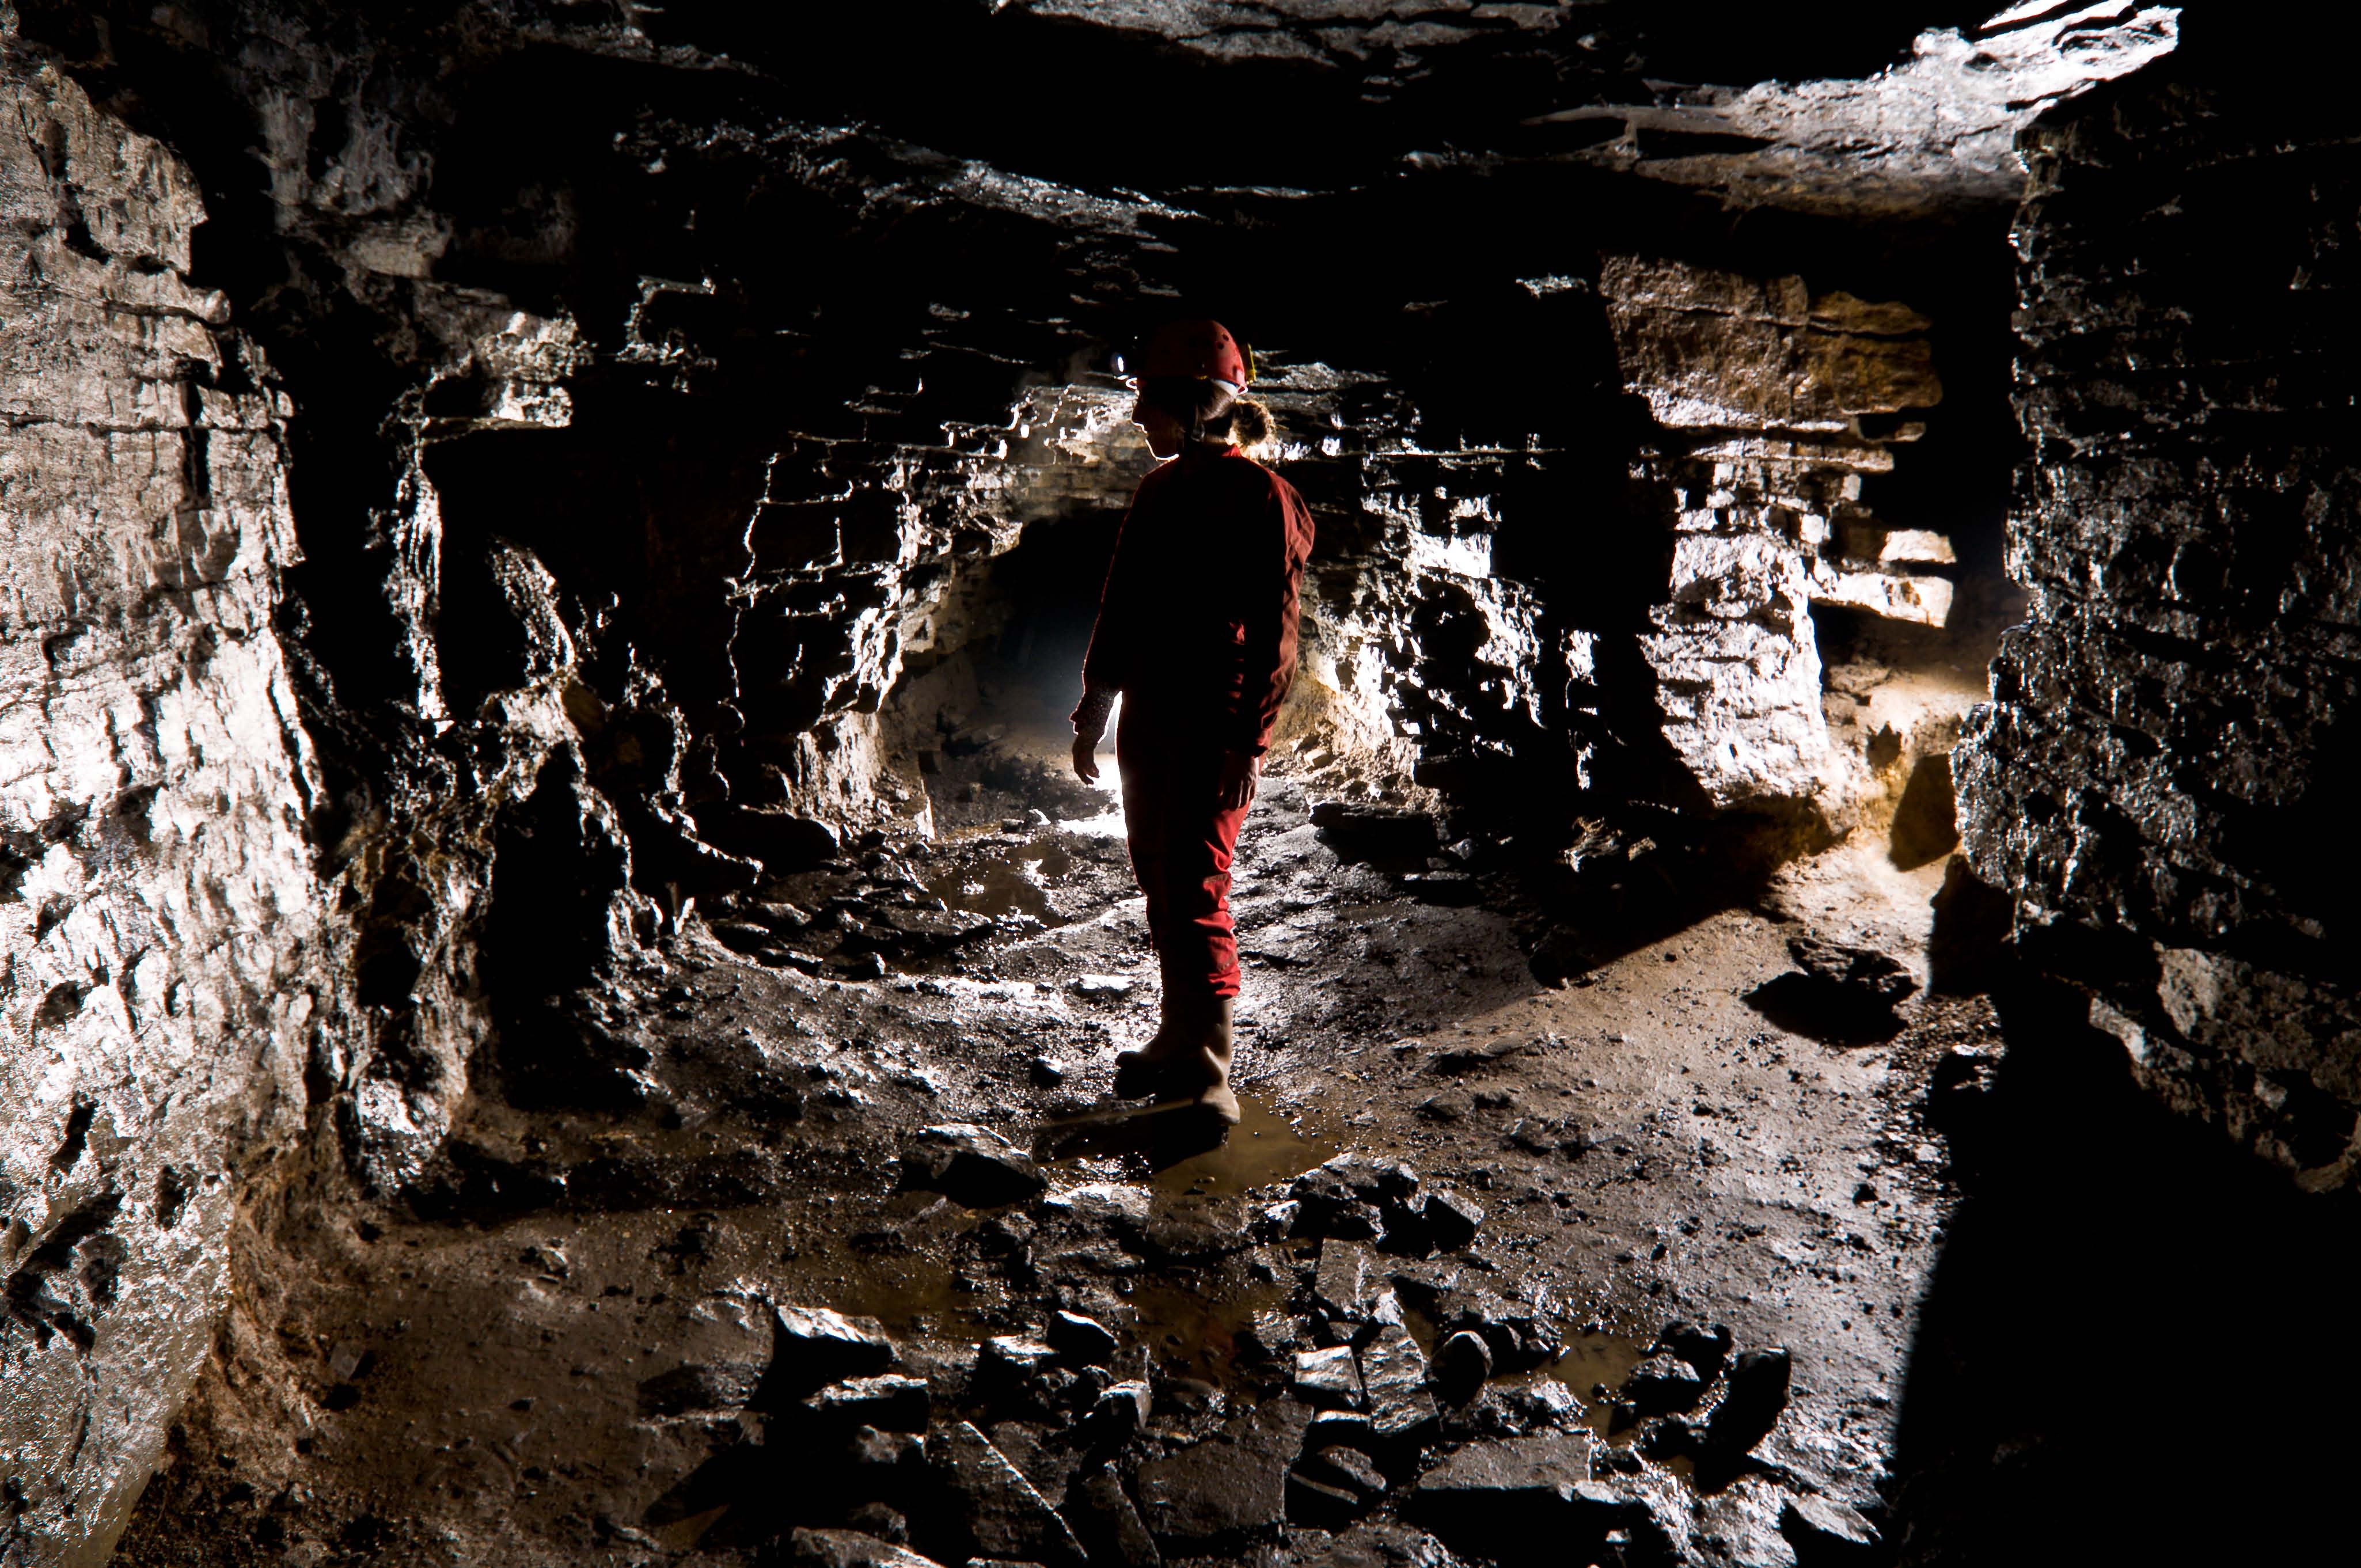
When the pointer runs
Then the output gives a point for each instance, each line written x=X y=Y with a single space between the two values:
x=1201 y=350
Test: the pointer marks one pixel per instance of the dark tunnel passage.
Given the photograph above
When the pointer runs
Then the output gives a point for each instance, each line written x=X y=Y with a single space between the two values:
x=563 y=995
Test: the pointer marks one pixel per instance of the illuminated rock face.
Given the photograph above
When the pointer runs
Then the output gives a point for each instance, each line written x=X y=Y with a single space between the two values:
x=158 y=909
x=2158 y=778
x=1761 y=391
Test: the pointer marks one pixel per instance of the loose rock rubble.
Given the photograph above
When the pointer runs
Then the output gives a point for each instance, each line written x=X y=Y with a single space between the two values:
x=868 y=1316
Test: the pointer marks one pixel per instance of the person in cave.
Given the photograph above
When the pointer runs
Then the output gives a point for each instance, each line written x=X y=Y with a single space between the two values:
x=1197 y=632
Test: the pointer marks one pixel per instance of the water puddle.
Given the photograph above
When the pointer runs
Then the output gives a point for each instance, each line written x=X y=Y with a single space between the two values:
x=1174 y=1150
x=1263 y=1148
x=1193 y=1334
x=1590 y=1361
x=1006 y=879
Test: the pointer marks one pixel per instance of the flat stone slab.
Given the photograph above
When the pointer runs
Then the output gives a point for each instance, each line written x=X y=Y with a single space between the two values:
x=1005 y=1516
x=1229 y=1489
x=969 y=1165
x=850 y=1549
x=1492 y=1498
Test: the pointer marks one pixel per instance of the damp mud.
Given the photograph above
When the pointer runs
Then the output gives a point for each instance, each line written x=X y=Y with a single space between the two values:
x=566 y=1340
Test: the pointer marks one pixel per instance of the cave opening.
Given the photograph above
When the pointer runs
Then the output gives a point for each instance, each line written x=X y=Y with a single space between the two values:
x=562 y=995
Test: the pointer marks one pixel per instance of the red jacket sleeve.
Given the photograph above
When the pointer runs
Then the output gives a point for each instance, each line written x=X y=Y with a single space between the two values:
x=1107 y=666
x=1274 y=598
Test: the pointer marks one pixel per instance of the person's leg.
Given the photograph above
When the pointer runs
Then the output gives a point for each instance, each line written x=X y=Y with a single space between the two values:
x=1200 y=844
x=1146 y=768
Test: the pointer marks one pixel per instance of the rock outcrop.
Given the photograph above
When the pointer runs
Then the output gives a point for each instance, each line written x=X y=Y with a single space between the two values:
x=160 y=914
x=1762 y=392
x=2154 y=780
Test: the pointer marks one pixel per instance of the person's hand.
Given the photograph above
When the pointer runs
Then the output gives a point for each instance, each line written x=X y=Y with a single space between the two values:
x=1239 y=771
x=1086 y=758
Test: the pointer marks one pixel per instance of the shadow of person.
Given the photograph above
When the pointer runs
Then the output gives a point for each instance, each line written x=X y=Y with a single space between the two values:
x=2132 y=1347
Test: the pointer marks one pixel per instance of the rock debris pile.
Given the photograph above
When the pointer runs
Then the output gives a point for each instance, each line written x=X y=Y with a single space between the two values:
x=1059 y=1445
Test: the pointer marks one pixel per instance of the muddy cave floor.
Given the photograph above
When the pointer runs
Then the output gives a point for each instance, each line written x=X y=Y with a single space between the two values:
x=564 y=1347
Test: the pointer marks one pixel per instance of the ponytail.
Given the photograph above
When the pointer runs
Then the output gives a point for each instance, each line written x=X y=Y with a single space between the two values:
x=1251 y=423
x=1207 y=411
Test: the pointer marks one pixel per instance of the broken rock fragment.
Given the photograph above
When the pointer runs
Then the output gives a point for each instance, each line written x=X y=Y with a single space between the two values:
x=1340 y=1429
x=1520 y=1338
x=850 y=1549
x=1462 y=1363
x=1494 y=1498
x=1393 y=1380
x=1649 y=1511
x=1451 y=1220
x=1542 y=1405
x=1863 y=972
x=1231 y=1489
x=1758 y=1392
x=1120 y=1409
x=883 y=1521
x=881 y=1454
x=1108 y=1525
x=1662 y=1383
x=1333 y=1486
x=1838 y=993
x=813 y=1347
x=1080 y=1341
x=888 y=1403
x=1005 y=1515
x=1329 y=1379
x=1740 y=1524
x=1348 y=1468
x=1011 y=1372
x=1320 y=1504
x=1703 y=1349
x=969 y=1165
x=1372 y=1543
x=1345 y=1284
x=1823 y=1530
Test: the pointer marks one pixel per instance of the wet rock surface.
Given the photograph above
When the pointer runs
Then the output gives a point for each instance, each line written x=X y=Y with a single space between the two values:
x=1162 y=1353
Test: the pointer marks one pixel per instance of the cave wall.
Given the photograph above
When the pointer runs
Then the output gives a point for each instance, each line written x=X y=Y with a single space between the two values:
x=159 y=913
x=2156 y=778
x=1770 y=404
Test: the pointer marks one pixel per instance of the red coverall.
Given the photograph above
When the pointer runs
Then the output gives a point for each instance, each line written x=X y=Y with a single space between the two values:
x=1197 y=630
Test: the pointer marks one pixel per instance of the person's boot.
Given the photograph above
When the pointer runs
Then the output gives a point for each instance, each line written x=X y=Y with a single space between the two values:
x=1200 y=1075
x=1139 y=1071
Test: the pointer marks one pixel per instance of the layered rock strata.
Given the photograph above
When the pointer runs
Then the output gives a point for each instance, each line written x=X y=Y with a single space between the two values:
x=158 y=905
x=2154 y=780
x=1771 y=403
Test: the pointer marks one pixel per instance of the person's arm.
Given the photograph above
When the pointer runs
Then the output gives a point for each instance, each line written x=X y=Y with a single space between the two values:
x=1089 y=727
x=1107 y=664
x=1274 y=591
